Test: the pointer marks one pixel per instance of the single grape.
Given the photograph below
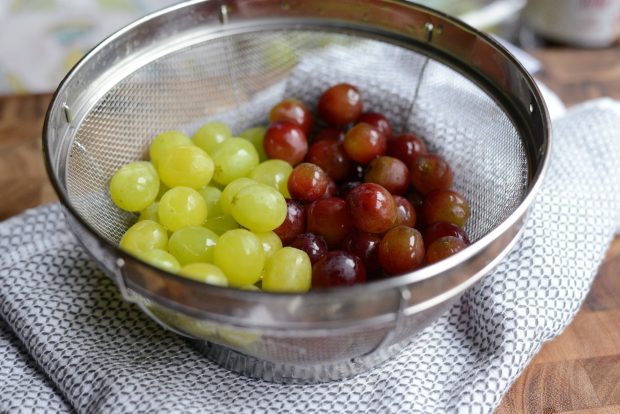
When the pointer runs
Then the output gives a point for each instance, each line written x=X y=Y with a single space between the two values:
x=331 y=157
x=161 y=259
x=289 y=270
x=338 y=268
x=293 y=111
x=274 y=173
x=366 y=247
x=259 y=208
x=307 y=182
x=444 y=247
x=340 y=105
x=211 y=195
x=205 y=273
x=150 y=213
x=164 y=142
x=231 y=190
x=192 y=244
x=430 y=172
x=330 y=218
x=405 y=213
x=401 y=250
x=345 y=188
x=285 y=141
x=217 y=221
x=390 y=173
x=134 y=186
x=234 y=158
x=180 y=207
x=372 y=208
x=210 y=135
x=363 y=143
x=331 y=190
x=187 y=166
x=335 y=134
x=144 y=236
x=441 y=229
x=405 y=147
x=256 y=136
x=294 y=223
x=240 y=254
x=271 y=243
x=314 y=245
x=377 y=121
x=445 y=205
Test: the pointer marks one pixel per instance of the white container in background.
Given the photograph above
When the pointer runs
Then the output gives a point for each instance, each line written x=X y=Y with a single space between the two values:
x=588 y=23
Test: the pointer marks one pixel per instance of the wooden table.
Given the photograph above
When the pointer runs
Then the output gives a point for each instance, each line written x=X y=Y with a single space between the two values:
x=577 y=372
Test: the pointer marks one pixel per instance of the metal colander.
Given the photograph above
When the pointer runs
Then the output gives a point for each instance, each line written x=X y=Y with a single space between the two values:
x=232 y=61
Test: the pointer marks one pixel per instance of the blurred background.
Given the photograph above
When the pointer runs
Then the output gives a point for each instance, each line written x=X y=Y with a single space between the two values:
x=40 y=40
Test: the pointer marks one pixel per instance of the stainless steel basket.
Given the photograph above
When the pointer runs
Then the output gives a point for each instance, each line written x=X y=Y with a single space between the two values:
x=232 y=60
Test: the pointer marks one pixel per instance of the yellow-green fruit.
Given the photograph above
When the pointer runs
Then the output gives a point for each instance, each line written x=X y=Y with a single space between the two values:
x=205 y=273
x=239 y=253
x=233 y=158
x=144 y=236
x=273 y=173
x=256 y=136
x=231 y=190
x=165 y=142
x=192 y=244
x=134 y=186
x=162 y=259
x=187 y=166
x=150 y=213
x=271 y=243
x=210 y=135
x=288 y=270
x=180 y=207
x=259 y=208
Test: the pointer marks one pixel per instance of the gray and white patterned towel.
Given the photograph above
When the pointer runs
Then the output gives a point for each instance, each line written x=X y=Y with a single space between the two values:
x=68 y=342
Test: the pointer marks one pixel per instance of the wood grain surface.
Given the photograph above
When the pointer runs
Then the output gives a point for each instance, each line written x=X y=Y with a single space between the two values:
x=578 y=372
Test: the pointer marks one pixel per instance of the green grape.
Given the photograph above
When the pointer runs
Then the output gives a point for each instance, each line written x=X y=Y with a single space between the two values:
x=150 y=213
x=234 y=158
x=185 y=166
x=239 y=253
x=211 y=195
x=165 y=142
x=231 y=190
x=192 y=244
x=250 y=287
x=144 y=236
x=271 y=243
x=288 y=270
x=217 y=221
x=210 y=135
x=259 y=208
x=256 y=136
x=273 y=173
x=206 y=273
x=180 y=207
x=161 y=259
x=134 y=186
x=162 y=190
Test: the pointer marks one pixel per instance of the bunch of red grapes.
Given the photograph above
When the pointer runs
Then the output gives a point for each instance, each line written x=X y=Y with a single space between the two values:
x=366 y=203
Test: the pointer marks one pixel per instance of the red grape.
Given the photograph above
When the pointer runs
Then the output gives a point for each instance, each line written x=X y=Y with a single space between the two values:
x=366 y=247
x=294 y=224
x=286 y=141
x=329 y=218
x=444 y=247
x=372 y=208
x=312 y=244
x=332 y=134
x=293 y=111
x=405 y=213
x=442 y=229
x=401 y=250
x=307 y=182
x=331 y=157
x=363 y=143
x=377 y=121
x=331 y=190
x=340 y=105
x=357 y=173
x=338 y=268
x=405 y=147
x=388 y=172
x=345 y=188
x=430 y=172
x=445 y=205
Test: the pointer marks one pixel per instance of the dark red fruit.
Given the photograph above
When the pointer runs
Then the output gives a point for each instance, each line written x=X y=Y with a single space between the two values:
x=442 y=229
x=444 y=247
x=331 y=190
x=331 y=157
x=390 y=173
x=286 y=141
x=293 y=111
x=329 y=218
x=307 y=182
x=338 y=268
x=405 y=147
x=377 y=121
x=345 y=188
x=357 y=173
x=405 y=213
x=363 y=143
x=445 y=205
x=312 y=244
x=294 y=224
x=401 y=250
x=340 y=105
x=330 y=134
x=430 y=172
x=372 y=208
x=366 y=247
